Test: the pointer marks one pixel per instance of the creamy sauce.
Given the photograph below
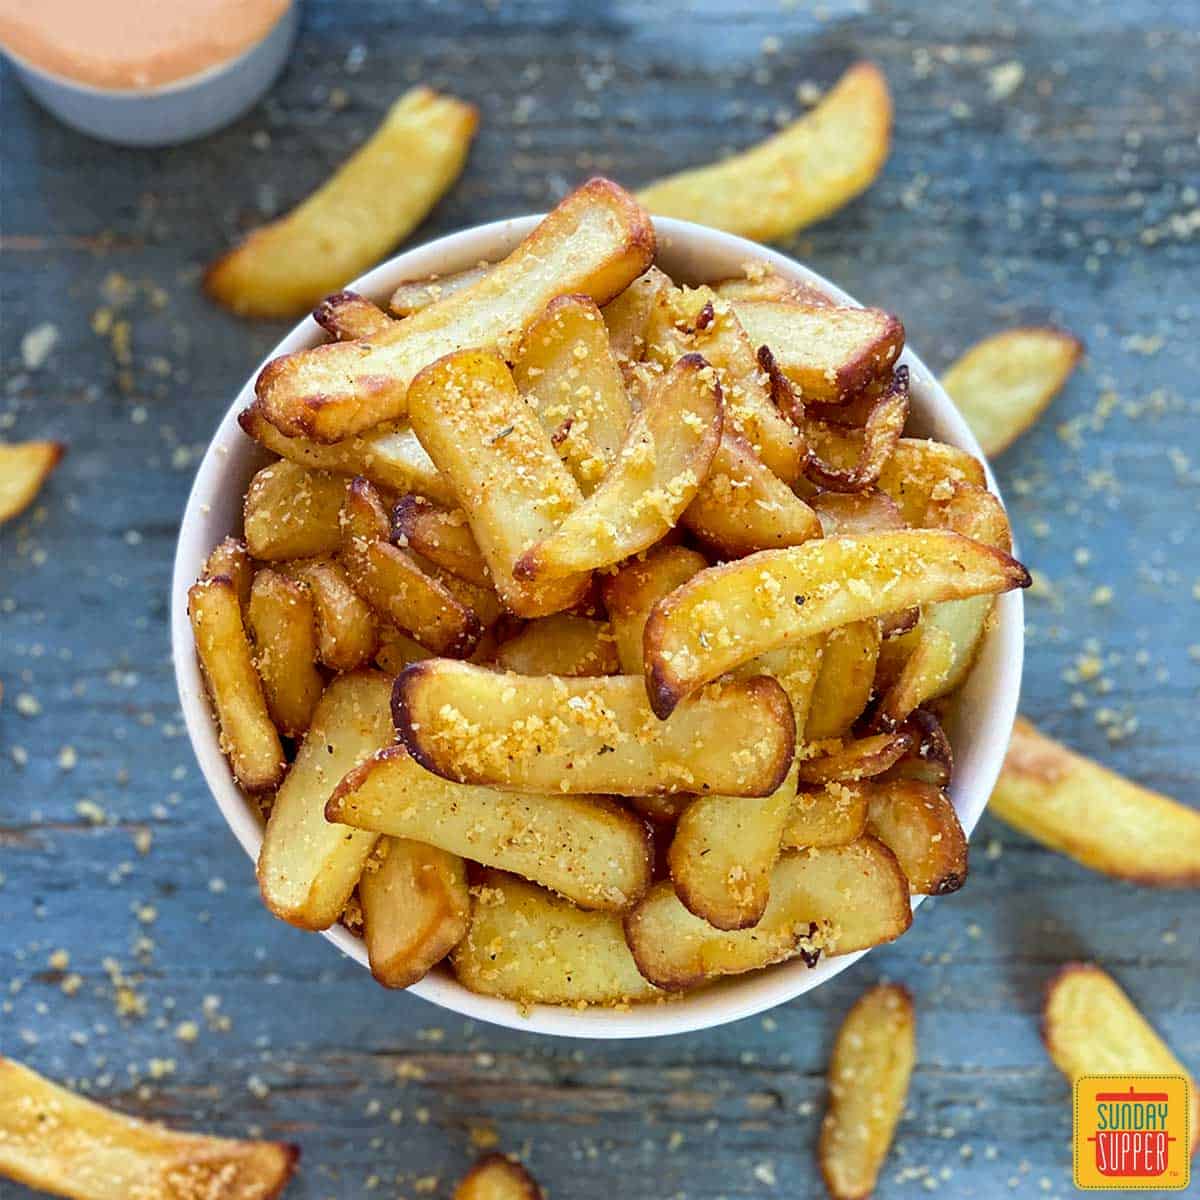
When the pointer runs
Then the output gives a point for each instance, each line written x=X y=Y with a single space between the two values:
x=133 y=43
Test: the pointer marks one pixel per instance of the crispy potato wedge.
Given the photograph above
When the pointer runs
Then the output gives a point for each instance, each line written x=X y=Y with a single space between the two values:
x=636 y=588
x=567 y=371
x=24 y=467
x=441 y=535
x=586 y=848
x=760 y=281
x=282 y=623
x=347 y=633
x=497 y=1177
x=723 y=852
x=248 y=737
x=802 y=174
x=374 y=200
x=528 y=945
x=872 y=1062
x=1095 y=816
x=389 y=456
x=307 y=867
x=347 y=316
x=846 y=677
x=1091 y=1027
x=563 y=644
x=729 y=614
x=397 y=650
x=416 y=908
x=855 y=759
x=628 y=315
x=918 y=824
x=924 y=674
x=834 y=815
x=796 y=668
x=1005 y=382
x=230 y=558
x=658 y=471
x=832 y=900
x=828 y=353
x=554 y=735
x=57 y=1142
x=292 y=511
x=595 y=242
x=918 y=467
x=416 y=294
x=394 y=585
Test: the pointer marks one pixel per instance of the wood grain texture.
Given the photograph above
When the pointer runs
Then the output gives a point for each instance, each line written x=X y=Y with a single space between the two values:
x=1072 y=199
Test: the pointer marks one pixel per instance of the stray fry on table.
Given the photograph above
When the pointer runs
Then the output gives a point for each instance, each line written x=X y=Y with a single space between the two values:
x=497 y=1177
x=24 y=467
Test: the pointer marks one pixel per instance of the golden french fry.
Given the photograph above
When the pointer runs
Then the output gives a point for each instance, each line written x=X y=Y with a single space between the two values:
x=802 y=174
x=416 y=294
x=1004 y=383
x=497 y=1177
x=796 y=668
x=924 y=674
x=595 y=242
x=530 y=946
x=855 y=759
x=588 y=849
x=1095 y=816
x=832 y=900
x=730 y=614
x=666 y=455
x=869 y=1071
x=761 y=282
x=567 y=371
x=292 y=511
x=57 y=1142
x=553 y=735
x=855 y=512
x=24 y=467
x=374 y=200
x=347 y=316
x=627 y=315
x=846 y=678
x=917 y=468
x=918 y=824
x=307 y=867
x=248 y=737
x=282 y=622
x=563 y=644
x=389 y=456
x=347 y=634
x=416 y=909
x=509 y=481
x=440 y=535
x=230 y=558
x=394 y=585
x=1091 y=1027
x=834 y=815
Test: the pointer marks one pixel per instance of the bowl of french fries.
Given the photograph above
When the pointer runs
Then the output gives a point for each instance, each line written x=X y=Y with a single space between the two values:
x=598 y=625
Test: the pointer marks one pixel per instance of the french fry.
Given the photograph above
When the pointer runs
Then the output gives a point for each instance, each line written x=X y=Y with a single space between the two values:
x=1091 y=1027
x=1002 y=384
x=247 y=735
x=830 y=901
x=554 y=735
x=855 y=759
x=509 y=481
x=440 y=535
x=307 y=867
x=374 y=200
x=723 y=851
x=760 y=281
x=588 y=849
x=347 y=316
x=802 y=174
x=666 y=455
x=924 y=674
x=847 y=675
x=931 y=760
x=1095 y=816
x=833 y=815
x=24 y=467
x=628 y=315
x=530 y=946
x=730 y=614
x=389 y=456
x=229 y=557
x=497 y=1177
x=595 y=242
x=347 y=633
x=869 y=1072
x=283 y=625
x=563 y=644
x=916 y=469
x=59 y=1143
x=918 y=824
x=393 y=583
x=567 y=371
x=416 y=909
x=796 y=668
x=292 y=511
x=416 y=294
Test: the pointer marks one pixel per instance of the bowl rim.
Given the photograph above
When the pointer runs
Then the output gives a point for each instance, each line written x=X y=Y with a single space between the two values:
x=736 y=997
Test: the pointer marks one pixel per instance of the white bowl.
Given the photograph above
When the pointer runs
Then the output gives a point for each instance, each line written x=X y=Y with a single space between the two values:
x=174 y=112
x=979 y=729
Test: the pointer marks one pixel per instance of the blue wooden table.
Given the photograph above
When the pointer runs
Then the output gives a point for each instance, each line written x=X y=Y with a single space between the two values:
x=135 y=957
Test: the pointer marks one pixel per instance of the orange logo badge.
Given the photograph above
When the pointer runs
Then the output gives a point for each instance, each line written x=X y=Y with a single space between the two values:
x=1132 y=1131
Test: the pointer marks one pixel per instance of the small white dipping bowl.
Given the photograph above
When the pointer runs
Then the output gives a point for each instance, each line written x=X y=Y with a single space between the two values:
x=979 y=729
x=173 y=112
